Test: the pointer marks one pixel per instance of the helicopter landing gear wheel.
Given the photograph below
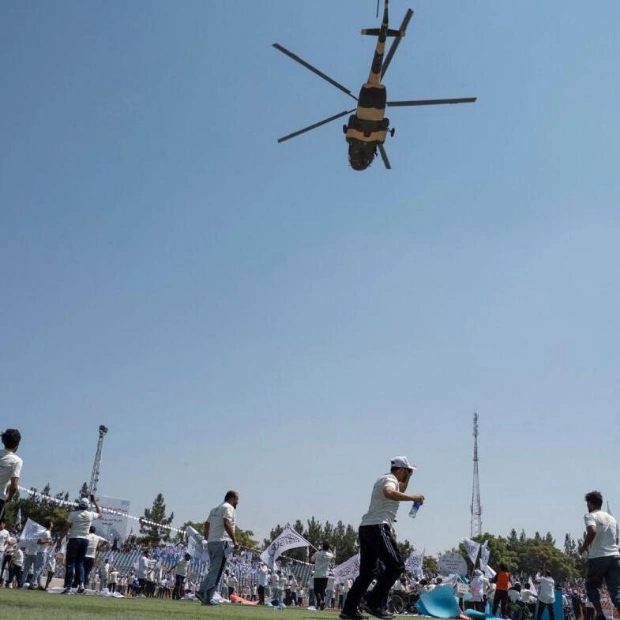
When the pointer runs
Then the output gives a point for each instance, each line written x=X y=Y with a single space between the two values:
x=392 y=131
x=344 y=129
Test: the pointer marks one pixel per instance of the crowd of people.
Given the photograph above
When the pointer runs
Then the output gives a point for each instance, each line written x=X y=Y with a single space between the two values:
x=382 y=577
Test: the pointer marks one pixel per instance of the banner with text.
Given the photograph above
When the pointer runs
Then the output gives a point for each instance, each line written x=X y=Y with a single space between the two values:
x=113 y=522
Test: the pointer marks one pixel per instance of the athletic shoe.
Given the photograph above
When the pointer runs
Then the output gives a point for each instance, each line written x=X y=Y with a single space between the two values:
x=80 y=589
x=198 y=595
x=356 y=616
x=66 y=591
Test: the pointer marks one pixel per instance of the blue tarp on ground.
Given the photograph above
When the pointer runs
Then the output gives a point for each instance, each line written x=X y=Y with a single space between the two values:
x=439 y=602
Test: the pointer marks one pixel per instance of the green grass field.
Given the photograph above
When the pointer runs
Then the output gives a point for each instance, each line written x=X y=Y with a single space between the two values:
x=28 y=605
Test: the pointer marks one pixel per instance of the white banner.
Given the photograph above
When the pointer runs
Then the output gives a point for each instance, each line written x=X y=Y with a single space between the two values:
x=31 y=532
x=113 y=522
x=349 y=569
x=452 y=564
x=196 y=545
x=485 y=552
x=414 y=562
x=289 y=539
x=472 y=547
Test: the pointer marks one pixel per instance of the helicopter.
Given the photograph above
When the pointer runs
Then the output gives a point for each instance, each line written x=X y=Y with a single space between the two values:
x=368 y=127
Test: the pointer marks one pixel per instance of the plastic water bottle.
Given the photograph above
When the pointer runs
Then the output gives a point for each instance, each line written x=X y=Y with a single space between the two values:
x=414 y=509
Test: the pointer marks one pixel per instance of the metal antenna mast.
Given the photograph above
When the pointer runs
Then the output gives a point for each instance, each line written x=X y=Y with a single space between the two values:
x=94 y=477
x=476 y=507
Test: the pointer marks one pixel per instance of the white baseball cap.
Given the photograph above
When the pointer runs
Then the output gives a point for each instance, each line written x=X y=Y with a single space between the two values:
x=402 y=461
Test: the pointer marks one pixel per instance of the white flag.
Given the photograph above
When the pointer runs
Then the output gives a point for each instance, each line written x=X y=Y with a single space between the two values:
x=32 y=531
x=349 y=569
x=196 y=545
x=289 y=539
x=414 y=562
x=489 y=573
x=472 y=547
x=485 y=552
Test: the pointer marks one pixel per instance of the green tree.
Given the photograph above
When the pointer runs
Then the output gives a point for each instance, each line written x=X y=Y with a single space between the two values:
x=429 y=565
x=345 y=542
x=245 y=538
x=152 y=532
x=84 y=491
x=39 y=509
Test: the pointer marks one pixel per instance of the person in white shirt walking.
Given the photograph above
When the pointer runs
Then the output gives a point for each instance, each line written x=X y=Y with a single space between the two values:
x=377 y=542
x=603 y=557
x=219 y=530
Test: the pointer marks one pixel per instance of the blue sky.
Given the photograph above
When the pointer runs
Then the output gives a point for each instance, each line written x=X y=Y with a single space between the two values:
x=248 y=315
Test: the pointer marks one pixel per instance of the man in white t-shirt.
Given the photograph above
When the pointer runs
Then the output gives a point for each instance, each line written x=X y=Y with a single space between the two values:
x=10 y=466
x=113 y=579
x=78 y=524
x=479 y=585
x=377 y=542
x=322 y=560
x=262 y=575
x=180 y=575
x=4 y=537
x=603 y=558
x=219 y=530
x=95 y=542
x=37 y=553
x=546 y=594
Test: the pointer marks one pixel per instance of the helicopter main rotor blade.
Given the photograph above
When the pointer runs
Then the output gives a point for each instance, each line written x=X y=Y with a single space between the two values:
x=314 y=70
x=396 y=104
x=396 y=42
x=314 y=126
x=384 y=157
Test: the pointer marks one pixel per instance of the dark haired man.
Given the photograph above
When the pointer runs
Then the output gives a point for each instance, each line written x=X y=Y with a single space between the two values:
x=219 y=531
x=502 y=584
x=10 y=466
x=603 y=558
x=78 y=526
x=546 y=595
x=377 y=542
x=321 y=560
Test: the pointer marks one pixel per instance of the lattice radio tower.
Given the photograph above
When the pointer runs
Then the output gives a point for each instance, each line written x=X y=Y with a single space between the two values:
x=94 y=477
x=476 y=507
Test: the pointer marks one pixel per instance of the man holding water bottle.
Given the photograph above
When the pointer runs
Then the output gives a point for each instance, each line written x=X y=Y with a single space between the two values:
x=377 y=543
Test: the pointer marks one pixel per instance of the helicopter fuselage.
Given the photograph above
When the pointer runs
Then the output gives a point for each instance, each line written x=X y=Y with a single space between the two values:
x=368 y=127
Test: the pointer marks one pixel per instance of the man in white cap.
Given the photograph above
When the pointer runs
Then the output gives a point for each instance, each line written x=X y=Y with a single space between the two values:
x=377 y=543
x=78 y=525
